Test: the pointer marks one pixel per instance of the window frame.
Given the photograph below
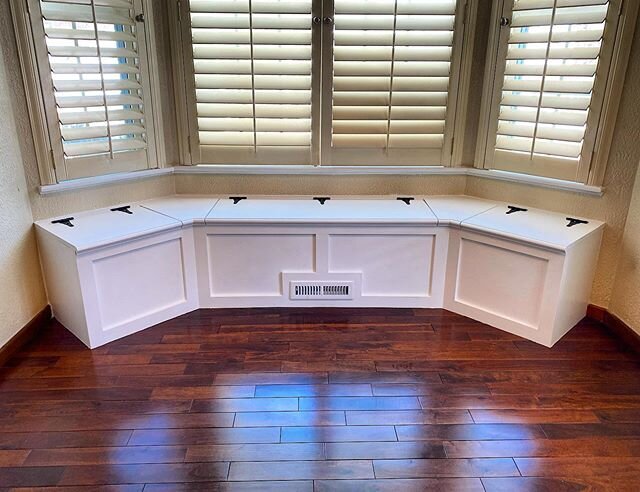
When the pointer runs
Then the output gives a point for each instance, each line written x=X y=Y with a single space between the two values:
x=185 y=92
x=322 y=60
x=604 y=105
x=37 y=79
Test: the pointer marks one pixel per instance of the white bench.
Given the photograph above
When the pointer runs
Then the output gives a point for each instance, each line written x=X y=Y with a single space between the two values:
x=115 y=271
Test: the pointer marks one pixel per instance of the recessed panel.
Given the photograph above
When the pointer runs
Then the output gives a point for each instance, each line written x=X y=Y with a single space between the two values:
x=251 y=264
x=139 y=282
x=391 y=265
x=503 y=282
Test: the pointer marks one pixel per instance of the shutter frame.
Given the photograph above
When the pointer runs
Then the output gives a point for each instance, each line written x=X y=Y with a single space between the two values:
x=542 y=164
x=208 y=146
x=403 y=152
x=75 y=164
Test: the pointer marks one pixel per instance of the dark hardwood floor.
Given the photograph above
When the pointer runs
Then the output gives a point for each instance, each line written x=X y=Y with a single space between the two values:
x=346 y=400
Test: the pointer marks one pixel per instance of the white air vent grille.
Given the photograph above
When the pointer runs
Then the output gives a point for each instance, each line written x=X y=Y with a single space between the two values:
x=321 y=290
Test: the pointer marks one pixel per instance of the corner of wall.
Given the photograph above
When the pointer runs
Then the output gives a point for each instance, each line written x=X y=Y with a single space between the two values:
x=21 y=286
x=625 y=302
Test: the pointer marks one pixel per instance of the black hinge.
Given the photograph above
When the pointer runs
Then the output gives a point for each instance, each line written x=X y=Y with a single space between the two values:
x=513 y=210
x=126 y=209
x=322 y=199
x=573 y=222
x=237 y=199
x=66 y=221
x=406 y=199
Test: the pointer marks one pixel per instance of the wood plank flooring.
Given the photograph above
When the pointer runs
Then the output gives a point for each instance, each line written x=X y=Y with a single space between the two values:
x=321 y=400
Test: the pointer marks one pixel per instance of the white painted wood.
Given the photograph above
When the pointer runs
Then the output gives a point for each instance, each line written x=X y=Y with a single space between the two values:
x=188 y=209
x=508 y=285
x=103 y=227
x=335 y=210
x=577 y=280
x=251 y=265
x=113 y=273
x=453 y=209
x=545 y=229
x=59 y=266
x=392 y=265
x=132 y=286
x=525 y=272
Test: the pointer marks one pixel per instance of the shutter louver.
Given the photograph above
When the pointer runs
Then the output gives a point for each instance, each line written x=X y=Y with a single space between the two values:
x=392 y=73
x=554 y=54
x=93 y=55
x=252 y=63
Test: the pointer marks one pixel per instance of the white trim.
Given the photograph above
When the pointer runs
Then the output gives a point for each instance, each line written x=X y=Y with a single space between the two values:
x=151 y=47
x=33 y=91
x=178 y=71
x=484 y=121
x=214 y=170
x=316 y=170
x=470 y=16
x=93 y=181
x=542 y=181
x=528 y=179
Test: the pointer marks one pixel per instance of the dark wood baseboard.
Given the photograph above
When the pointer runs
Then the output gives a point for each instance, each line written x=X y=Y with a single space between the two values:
x=619 y=328
x=25 y=335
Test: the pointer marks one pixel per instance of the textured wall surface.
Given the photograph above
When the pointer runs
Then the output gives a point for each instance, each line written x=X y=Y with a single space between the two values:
x=98 y=197
x=625 y=302
x=22 y=294
x=309 y=185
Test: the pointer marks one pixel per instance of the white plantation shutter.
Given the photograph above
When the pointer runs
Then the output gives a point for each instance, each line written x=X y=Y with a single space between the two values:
x=554 y=57
x=394 y=82
x=91 y=68
x=252 y=81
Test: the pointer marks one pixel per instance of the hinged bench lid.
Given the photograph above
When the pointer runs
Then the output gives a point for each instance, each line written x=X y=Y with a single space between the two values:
x=322 y=209
x=547 y=229
x=107 y=226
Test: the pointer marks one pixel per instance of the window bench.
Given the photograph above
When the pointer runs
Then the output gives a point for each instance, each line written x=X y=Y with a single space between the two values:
x=115 y=271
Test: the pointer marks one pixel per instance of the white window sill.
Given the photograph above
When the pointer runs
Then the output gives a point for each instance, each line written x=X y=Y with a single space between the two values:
x=92 y=182
x=551 y=183
x=318 y=170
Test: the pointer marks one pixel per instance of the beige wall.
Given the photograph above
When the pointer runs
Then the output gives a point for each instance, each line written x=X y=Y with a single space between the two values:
x=625 y=302
x=22 y=294
x=311 y=185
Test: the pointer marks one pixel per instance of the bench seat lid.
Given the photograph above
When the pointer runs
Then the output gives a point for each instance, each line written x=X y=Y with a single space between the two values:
x=308 y=209
x=106 y=226
x=539 y=227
